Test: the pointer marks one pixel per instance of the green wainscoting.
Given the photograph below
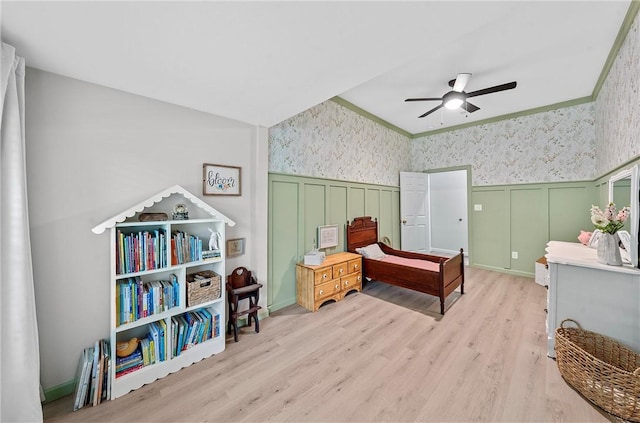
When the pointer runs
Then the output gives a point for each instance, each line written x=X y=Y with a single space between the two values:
x=523 y=218
x=514 y=218
x=298 y=205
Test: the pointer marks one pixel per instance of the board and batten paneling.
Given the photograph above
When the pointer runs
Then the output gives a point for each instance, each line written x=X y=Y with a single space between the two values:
x=528 y=227
x=299 y=204
x=523 y=218
x=284 y=229
x=571 y=209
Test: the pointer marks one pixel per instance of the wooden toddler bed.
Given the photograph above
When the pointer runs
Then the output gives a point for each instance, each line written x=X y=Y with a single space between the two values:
x=433 y=275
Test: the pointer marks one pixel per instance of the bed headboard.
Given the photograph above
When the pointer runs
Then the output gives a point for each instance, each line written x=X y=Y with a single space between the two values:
x=361 y=232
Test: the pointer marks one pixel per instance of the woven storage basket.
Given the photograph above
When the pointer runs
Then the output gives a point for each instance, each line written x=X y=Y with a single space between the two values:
x=202 y=287
x=601 y=369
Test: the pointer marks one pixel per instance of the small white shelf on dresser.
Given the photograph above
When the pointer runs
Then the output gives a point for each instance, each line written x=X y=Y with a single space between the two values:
x=601 y=298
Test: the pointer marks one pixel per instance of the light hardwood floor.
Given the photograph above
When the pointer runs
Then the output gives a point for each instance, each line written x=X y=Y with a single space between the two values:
x=385 y=354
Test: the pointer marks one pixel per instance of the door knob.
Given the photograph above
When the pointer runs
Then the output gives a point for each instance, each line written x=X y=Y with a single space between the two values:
x=404 y=222
x=460 y=220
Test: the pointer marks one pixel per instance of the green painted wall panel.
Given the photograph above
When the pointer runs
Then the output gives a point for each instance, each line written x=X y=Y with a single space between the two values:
x=528 y=225
x=489 y=240
x=372 y=203
x=337 y=214
x=314 y=213
x=283 y=242
x=569 y=212
x=395 y=221
x=385 y=226
x=356 y=202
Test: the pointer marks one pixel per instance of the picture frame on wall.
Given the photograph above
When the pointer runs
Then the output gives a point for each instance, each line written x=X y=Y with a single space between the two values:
x=235 y=247
x=220 y=179
x=327 y=236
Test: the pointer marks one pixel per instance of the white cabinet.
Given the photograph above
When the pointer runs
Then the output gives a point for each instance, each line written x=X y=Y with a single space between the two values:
x=164 y=273
x=601 y=298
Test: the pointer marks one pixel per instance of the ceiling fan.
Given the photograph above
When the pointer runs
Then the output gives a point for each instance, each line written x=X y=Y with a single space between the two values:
x=457 y=98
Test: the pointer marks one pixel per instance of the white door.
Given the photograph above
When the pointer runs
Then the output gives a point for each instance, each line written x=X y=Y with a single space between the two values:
x=414 y=212
x=448 y=211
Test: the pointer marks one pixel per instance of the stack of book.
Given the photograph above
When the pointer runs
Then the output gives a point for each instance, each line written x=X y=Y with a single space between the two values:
x=185 y=248
x=130 y=363
x=139 y=251
x=136 y=299
x=93 y=384
x=192 y=328
x=210 y=254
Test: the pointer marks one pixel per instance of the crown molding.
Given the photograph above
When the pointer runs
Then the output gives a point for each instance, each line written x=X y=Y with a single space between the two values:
x=634 y=7
x=341 y=101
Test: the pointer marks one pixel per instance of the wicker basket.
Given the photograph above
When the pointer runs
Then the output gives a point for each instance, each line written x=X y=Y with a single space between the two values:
x=601 y=369
x=202 y=287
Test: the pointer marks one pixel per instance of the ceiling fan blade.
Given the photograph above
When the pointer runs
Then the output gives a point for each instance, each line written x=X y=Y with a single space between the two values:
x=431 y=111
x=503 y=87
x=469 y=107
x=424 y=99
x=461 y=81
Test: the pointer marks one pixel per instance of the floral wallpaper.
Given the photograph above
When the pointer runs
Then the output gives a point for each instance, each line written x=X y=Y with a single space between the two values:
x=551 y=146
x=331 y=141
x=617 y=107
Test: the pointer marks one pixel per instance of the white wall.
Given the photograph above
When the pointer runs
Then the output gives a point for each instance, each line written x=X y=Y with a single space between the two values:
x=93 y=152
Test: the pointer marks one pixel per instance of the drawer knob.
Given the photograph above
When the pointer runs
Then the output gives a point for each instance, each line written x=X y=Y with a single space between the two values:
x=324 y=276
x=346 y=283
x=321 y=292
x=355 y=267
x=341 y=270
x=337 y=286
x=358 y=278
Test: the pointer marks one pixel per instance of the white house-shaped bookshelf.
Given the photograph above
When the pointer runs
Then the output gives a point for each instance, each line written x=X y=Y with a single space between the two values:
x=166 y=288
x=150 y=205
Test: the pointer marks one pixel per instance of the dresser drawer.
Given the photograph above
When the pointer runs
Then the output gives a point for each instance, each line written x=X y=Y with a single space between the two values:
x=351 y=281
x=340 y=270
x=323 y=275
x=355 y=265
x=327 y=289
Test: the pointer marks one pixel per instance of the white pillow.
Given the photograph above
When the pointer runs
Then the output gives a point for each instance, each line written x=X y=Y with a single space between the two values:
x=373 y=251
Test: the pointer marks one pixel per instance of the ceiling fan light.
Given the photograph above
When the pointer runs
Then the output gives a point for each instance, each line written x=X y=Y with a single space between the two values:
x=453 y=103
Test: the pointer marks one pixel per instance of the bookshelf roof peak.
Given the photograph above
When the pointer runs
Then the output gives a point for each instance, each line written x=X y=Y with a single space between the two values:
x=176 y=189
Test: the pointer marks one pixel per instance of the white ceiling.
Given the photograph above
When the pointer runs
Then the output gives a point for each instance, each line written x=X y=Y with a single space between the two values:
x=263 y=62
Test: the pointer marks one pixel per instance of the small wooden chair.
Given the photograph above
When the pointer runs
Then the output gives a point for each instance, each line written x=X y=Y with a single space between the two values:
x=241 y=285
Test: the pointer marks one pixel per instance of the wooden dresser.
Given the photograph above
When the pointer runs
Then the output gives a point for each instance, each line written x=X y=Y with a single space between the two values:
x=338 y=275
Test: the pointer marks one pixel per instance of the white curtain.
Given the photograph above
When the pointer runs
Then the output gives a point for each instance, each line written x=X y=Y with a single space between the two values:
x=19 y=350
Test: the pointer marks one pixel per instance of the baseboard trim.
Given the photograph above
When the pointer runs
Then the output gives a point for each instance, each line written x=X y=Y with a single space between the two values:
x=503 y=270
x=59 y=391
x=282 y=304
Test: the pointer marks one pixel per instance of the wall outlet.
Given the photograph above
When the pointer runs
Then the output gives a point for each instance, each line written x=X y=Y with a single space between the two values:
x=477 y=207
x=514 y=254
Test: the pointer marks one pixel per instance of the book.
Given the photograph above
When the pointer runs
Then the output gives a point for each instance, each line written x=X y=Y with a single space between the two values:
x=94 y=372
x=162 y=334
x=182 y=329
x=82 y=378
x=97 y=381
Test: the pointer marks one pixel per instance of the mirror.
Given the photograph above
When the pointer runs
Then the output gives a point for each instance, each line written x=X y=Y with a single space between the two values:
x=623 y=191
